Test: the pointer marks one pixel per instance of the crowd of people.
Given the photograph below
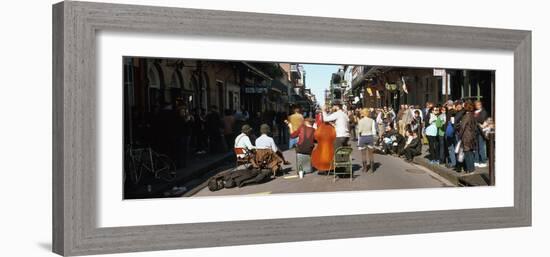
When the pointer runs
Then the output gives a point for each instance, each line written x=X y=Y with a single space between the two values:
x=456 y=133
x=184 y=133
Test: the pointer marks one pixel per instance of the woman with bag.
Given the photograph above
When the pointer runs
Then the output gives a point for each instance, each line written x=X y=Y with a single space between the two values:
x=467 y=132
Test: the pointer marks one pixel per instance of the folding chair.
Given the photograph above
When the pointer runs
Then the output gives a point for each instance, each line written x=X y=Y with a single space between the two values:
x=342 y=159
x=242 y=156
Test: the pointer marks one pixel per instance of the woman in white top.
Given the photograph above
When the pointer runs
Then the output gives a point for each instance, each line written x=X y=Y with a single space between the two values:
x=366 y=129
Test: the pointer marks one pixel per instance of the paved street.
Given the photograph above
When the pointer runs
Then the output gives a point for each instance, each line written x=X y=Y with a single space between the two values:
x=392 y=173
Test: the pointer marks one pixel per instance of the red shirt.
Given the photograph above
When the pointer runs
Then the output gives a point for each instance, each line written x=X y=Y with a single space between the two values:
x=301 y=133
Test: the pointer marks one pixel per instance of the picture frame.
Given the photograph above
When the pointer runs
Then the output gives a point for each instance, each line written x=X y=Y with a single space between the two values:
x=75 y=25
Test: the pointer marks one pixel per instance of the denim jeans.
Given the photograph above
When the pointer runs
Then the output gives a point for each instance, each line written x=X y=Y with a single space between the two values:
x=469 y=161
x=292 y=142
x=433 y=148
x=481 y=153
x=303 y=161
x=441 y=142
x=451 y=151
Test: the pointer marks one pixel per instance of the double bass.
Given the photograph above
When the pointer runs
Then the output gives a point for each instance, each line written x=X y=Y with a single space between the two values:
x=323 y=153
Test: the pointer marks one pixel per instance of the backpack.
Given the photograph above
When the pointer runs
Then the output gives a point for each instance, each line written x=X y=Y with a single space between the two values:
x=450 y=130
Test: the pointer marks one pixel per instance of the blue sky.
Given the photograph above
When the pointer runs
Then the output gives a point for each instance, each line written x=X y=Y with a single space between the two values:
x=318 y=78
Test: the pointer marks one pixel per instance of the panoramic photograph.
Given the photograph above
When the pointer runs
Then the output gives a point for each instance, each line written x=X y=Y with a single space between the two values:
x=201 y=127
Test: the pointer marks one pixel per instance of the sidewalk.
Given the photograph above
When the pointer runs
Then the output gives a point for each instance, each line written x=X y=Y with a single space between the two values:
x=478 y=178
x=198 y=167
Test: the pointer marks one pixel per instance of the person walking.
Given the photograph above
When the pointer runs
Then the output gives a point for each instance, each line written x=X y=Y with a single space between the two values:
x=467 y=132
x=366 y=131
x=341 y=125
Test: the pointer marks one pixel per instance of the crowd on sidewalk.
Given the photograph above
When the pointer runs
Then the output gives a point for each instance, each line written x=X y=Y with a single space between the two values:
x=456 y=132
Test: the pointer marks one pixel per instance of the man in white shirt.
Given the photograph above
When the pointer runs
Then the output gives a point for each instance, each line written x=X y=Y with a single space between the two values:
x=243 y=140
x=266 y=142
x=341 y=125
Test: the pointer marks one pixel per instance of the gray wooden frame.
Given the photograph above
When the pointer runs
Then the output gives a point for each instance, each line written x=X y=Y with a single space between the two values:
x=74 y=129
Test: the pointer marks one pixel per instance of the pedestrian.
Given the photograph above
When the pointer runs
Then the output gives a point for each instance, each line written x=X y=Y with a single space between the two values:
x=214 y=129
x=450 y=138
x=228 y=128
x=242 y=115
x=380 y=123
x=391 y=116
x=341 y=125
x=416 y=123
x=400 y=125
x=296 y=120
x=413 y=146
x=256 y=122
x=459 y=113
x=281 y=116
x=407 y=118
x=183 y=127
x=481 y=116
x=366 y=130
x=264 y=141
x=305 y=145
x=426 y=113
x=441 y=135
x=467 y=132
x=198 y=131
x=432 y=133
x=352 y=124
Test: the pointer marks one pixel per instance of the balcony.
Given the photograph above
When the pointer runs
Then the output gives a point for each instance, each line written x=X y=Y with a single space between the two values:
x=296 y=71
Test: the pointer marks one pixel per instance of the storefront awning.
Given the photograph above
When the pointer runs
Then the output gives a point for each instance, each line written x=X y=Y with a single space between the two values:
x=255 y=70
